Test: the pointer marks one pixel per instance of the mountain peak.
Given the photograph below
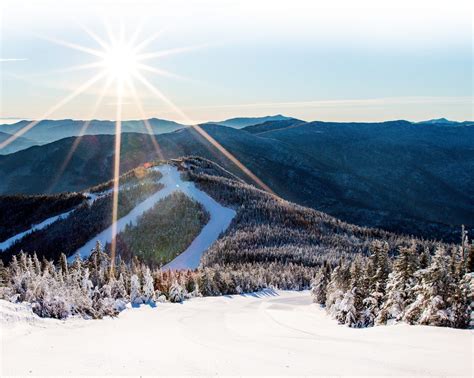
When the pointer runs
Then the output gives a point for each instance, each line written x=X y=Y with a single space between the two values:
x=241 y=122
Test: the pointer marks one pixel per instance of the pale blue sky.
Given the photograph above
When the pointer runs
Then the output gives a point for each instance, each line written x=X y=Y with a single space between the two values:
x=341 y=60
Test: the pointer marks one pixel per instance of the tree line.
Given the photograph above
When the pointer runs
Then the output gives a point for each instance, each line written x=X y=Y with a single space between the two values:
x=412 y=287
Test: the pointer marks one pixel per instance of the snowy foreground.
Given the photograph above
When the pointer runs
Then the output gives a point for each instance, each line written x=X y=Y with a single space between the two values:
x=265 y=333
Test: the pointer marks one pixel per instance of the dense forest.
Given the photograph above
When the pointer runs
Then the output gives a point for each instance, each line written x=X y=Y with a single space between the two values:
x=18 y=213
x=86 y=221
x=162 y=232
x=414 y=288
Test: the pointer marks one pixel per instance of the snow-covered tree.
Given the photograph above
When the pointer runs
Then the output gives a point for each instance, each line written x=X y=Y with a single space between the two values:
x=135 y=291
x=347 y=313
x=399 y=291
x=320 y=283
x=431 y=306
x=176 y=293
x=337 y=287
x=148 y=287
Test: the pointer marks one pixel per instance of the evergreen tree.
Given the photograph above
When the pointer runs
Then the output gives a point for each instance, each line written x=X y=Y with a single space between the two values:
x=347 y=313
x=64 y=266
x=148 y=287
x=337 y=287
x=135 y=291
x=176 y=293
x=431 y=306
x=399 y=286
x=425 y=258
x=470 y=258
x=320 y=283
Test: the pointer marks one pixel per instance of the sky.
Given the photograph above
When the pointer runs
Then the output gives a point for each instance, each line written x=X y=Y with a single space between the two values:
x=314 y=60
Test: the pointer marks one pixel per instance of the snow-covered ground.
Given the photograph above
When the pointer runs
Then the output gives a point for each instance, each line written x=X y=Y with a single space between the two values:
x=265 y=333
x=220 y=218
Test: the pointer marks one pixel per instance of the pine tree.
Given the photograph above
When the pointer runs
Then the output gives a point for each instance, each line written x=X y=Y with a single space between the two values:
x=470 y=258
x=431 y=306
x=460 y=303
x=135 y=291
x=337 y=287
x=320 y=283
x=380 y=262
x=118 y=290
x=176 y=294
x=347 y=313
x=64 y=266
x=399 y=293
x=425 y=258
x=376 y=281
x=148 y=288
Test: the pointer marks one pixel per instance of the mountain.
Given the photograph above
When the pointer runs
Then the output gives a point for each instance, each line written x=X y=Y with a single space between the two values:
x=445 y=121
x=241 y=122
x=48 y=131
x=187 y=228
x=272 y=125
x=163 y=207
x=18 y=144
x=402 y=177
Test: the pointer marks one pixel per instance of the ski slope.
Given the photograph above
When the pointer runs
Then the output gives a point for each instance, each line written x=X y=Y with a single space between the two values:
x=91 y=198
x=271 y=333
x=9 y=242
x=220 y=218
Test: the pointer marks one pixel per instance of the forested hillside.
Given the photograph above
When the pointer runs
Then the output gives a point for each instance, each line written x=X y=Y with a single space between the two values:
x=363 y=276
x=402 y=177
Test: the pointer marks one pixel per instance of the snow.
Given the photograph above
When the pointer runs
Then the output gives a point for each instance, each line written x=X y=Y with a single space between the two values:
x=91 y=198
x=220 y=218
x=271 y=333
x=9 y=242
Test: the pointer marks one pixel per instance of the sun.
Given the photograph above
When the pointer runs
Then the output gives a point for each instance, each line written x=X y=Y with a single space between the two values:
x=120 y=62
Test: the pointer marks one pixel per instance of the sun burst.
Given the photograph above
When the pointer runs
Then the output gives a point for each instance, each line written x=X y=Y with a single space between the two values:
x=123 y=63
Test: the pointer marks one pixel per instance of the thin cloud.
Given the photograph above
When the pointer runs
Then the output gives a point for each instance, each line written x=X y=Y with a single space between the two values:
x=13 y=59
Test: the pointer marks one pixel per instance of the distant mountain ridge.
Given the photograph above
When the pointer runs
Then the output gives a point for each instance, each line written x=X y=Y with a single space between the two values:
x=48 y=131
x=241 y=122
x=445 y=121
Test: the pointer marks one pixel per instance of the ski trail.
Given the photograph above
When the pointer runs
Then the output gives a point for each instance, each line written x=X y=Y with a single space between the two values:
x=9 y=242
x=220 y=218
x=91 y=198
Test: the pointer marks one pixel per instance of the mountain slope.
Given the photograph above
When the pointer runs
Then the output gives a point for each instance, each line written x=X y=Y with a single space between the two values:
x=399 y=176
x=18 y=144
x=48 y=131
x=245 y=225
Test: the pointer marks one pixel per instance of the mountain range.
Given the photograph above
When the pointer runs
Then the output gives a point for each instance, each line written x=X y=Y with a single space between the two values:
x=399 y=176
x=47 y=131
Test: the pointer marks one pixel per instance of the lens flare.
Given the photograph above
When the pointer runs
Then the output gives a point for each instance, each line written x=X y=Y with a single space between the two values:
x=123 y=62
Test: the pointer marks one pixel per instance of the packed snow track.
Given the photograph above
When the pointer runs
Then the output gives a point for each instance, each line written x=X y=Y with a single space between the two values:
x=271 y=333
x=220 y=218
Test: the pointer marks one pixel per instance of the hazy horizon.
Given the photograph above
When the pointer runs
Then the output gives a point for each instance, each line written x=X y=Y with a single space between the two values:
x=309 y=60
